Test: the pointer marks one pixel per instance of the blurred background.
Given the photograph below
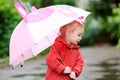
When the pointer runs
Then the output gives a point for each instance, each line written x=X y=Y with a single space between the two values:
x=101 y=27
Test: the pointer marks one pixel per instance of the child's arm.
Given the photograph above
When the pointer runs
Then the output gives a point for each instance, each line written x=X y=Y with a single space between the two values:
x=53 y=59
x=79 y=65
x=54 y=62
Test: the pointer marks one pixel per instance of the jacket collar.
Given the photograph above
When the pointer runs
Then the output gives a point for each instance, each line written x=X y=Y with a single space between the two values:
x=63 y=41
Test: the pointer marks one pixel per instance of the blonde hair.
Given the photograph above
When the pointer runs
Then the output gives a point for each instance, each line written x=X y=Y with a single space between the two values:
x=70 y=26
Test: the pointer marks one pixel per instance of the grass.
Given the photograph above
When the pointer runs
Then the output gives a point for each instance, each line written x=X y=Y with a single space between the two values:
x=4 y=62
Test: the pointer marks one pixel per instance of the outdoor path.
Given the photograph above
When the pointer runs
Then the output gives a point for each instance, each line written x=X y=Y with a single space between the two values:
x=101 y=63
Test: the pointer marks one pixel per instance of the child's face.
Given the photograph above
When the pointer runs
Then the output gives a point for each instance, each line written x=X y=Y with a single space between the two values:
x=75 y=36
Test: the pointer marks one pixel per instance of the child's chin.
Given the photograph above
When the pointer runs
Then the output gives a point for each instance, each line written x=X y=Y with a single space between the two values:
x=75 y=43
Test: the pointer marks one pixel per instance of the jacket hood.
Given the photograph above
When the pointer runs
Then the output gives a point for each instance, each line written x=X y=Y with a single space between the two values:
x=63 y=41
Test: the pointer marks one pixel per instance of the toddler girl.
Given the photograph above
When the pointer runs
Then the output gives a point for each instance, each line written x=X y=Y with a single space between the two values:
x=64 y=59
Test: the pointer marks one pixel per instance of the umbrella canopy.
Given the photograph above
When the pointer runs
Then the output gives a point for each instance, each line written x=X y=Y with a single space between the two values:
x=39 y=28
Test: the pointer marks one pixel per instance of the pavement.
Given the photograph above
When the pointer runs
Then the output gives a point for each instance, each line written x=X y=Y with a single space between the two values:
x=101 y=63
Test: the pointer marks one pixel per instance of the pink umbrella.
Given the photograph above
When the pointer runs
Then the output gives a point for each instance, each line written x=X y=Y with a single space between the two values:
x=39 y=28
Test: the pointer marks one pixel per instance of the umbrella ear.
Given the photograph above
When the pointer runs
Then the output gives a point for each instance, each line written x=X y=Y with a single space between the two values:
x=34 y=8
x=21 y=10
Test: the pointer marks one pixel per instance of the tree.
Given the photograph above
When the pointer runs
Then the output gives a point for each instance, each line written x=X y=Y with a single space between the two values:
x=104 y=12
x=8 y=20
x=45 y=3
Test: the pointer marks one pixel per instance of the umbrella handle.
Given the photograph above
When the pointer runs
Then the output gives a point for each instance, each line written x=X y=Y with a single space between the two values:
x=58 y=55
x=56 y=51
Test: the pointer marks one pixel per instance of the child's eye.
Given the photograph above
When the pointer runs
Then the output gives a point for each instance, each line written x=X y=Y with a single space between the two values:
x=79 y=34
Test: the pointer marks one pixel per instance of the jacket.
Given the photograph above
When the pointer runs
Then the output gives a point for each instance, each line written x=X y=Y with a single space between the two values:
x=61 y=55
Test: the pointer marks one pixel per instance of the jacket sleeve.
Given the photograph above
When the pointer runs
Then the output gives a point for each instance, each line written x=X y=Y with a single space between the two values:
x=79 y=65
x=53 y=59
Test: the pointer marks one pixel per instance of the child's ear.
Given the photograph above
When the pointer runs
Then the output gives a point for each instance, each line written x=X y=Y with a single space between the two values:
x=68 y=32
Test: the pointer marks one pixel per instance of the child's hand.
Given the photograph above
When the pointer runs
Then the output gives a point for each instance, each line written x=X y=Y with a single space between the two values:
x=67 y=70
x=72 y=75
